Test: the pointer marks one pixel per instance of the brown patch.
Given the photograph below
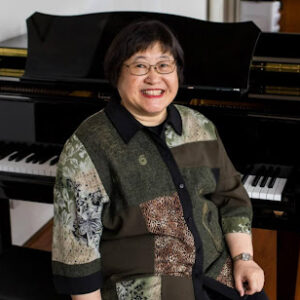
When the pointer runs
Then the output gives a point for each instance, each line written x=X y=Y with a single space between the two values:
x=226 y=276
x=174 y=243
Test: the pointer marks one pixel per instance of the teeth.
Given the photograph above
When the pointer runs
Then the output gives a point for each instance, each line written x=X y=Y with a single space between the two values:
x=153 y=92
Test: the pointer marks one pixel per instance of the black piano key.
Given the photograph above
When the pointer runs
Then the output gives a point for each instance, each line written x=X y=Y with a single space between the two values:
x=13 y=156
x=247 y=173
x=244 y=178
x=274 y=176
x=3 y=149
x=45 y=154
x=22 y=154
x=6 y=153
x=53 y=153
x=44 y=158
x=264 y=181
x=30 y=158
x=35 y=159
x=9 y=149
x=261 y=172
x=54 y=161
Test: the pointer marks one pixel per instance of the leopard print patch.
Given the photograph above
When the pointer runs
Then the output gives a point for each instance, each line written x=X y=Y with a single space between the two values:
x=174 y=243
x=226 y=276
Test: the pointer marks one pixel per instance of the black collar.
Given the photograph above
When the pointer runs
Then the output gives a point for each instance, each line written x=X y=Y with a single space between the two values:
x=127 y=126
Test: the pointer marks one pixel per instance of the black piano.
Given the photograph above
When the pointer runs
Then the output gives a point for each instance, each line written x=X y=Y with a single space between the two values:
x=246 y=81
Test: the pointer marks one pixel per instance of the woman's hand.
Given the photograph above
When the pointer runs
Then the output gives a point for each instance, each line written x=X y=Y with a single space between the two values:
x=248 y=277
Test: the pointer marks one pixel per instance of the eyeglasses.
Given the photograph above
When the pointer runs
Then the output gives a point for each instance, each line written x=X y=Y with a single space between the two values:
x=142 y=68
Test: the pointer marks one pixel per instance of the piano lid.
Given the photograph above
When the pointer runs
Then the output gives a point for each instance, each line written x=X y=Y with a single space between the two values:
x=278 y=46
x=217 y=55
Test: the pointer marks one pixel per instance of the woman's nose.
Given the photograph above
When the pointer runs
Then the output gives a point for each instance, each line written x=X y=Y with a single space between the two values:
x=152 y=75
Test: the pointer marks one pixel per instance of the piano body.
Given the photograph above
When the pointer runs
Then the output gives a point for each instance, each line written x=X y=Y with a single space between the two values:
x=260 y=129
x=250 y=90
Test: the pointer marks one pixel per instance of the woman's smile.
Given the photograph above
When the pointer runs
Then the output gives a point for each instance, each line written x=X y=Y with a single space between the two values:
x=153 y=93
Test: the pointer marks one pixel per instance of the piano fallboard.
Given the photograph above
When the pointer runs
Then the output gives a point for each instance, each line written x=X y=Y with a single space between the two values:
x=28 y=188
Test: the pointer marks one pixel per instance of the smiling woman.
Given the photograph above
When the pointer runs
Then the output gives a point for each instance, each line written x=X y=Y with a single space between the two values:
x=145 y=195
x=148 y=95
x=148 y=70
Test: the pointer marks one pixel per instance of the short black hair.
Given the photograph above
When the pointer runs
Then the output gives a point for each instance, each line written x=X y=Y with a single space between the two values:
x=139 y=36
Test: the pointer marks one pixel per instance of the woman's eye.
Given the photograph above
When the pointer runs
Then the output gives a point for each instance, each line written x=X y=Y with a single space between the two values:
x=140 y=66
x=164 y=65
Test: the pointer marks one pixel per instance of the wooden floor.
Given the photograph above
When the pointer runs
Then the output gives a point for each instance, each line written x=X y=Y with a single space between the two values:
x=265 y=252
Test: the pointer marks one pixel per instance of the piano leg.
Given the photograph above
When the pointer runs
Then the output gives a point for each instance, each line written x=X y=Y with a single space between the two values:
x=297 y=292
x=265 y=254
x=5 y=229
x=278 y=253
x=288 y=265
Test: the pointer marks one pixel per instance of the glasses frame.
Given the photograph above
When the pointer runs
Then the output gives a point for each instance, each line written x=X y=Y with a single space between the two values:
x=149 y=67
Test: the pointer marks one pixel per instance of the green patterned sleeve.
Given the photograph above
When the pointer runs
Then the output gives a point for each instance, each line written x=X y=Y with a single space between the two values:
x=79 y=197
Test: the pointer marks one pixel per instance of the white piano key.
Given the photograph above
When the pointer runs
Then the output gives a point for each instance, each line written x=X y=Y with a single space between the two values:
x=5 y=163
x=256 y=190
x=279 y=189
x=248 y=185
x=271 y=191
x=50 y=169
x=264 y=190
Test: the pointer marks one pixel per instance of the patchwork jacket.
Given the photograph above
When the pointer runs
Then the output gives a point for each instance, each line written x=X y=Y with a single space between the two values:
x=143 y=216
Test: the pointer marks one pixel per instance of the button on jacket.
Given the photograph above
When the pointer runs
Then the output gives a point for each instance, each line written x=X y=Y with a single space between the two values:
x=141 y=213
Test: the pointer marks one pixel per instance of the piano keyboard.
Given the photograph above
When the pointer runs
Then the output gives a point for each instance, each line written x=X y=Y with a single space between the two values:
x=33 y=160
x=265 y=183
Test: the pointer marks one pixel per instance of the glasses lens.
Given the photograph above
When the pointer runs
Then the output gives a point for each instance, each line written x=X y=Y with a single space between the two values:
x=139 y=68
x=165 y=67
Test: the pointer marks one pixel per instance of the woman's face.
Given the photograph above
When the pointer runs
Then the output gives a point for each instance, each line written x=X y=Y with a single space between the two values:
x=147 y=96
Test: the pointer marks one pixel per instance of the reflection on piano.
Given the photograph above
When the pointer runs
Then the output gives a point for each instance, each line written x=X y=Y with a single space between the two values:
x=245 y=81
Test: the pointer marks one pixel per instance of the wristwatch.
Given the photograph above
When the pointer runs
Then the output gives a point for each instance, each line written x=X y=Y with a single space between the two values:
x=243 y=256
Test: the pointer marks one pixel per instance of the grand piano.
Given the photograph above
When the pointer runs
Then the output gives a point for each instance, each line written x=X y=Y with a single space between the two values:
x=246 y=81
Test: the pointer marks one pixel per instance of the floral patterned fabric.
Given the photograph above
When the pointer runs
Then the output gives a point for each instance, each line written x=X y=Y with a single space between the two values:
x=148 y=288
x=78 y=202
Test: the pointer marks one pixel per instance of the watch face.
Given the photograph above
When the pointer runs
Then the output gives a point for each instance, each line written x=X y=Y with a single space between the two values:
x=245 y=256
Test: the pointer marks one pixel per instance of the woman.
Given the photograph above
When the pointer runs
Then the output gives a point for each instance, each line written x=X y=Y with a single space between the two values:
x=141 y=187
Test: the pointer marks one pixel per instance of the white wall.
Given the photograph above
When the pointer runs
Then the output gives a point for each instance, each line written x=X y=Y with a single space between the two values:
x=192 y=8
x=264 y=14
x=13 y=13
x=27 y=218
